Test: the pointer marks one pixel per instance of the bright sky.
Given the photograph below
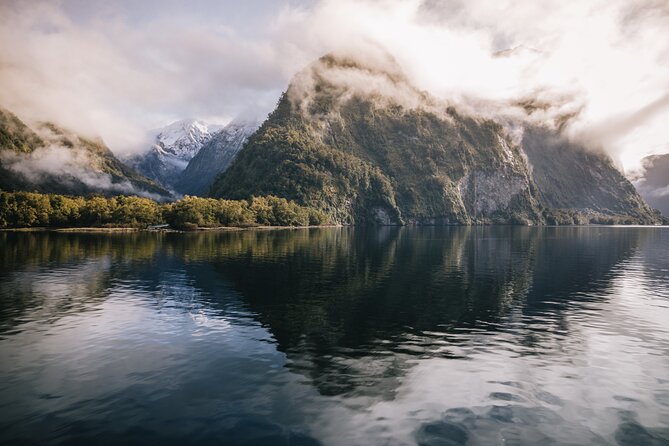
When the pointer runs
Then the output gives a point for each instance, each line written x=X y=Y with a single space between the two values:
x=119 y=68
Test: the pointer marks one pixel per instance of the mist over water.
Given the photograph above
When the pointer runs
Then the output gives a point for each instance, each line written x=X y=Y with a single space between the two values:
x=339 y=336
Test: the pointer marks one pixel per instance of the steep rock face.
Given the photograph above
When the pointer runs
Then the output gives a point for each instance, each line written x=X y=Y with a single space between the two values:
x=568 y=176
x=174 y=147
x=214 y=157
x=340 y=139
x=652 y=182
x=53 y=160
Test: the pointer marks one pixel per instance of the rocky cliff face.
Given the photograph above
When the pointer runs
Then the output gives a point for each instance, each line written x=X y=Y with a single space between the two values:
x=214 y=157
x=357 y=140
x=49 y=159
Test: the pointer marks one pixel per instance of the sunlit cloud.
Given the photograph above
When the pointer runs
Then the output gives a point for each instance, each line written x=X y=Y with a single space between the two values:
x=117 y=70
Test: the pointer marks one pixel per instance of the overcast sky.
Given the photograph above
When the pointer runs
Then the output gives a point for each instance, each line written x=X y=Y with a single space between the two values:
x=119 y=68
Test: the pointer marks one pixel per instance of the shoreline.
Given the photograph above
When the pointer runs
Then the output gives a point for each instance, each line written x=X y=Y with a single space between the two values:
x=170 y=230
x=122 y=230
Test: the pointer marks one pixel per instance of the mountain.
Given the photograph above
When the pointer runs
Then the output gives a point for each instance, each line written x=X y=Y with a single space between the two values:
x=652 y=181
x=173 y=148
x=569 y=176
x=214 y=157
x=47 y=158
x=359 y=141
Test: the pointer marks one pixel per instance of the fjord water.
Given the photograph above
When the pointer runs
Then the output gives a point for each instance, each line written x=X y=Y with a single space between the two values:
x=337 y=336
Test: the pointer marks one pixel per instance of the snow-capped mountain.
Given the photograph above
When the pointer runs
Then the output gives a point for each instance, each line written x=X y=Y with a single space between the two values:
x=182 y=140
x=215 y=157
x=173 y=148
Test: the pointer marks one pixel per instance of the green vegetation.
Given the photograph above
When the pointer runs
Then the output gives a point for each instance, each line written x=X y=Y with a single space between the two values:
x=566 y=217
x=30 y=209
x=300 y=168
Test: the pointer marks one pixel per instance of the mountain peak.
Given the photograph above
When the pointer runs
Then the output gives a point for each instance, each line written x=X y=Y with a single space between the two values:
x=179 y=143
x=337 y=77
x=216 y=156
x=173 y=147
x=376 y=63
x=186 y=130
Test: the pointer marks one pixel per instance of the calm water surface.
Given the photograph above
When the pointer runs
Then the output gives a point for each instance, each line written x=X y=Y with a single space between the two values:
x=431 y=336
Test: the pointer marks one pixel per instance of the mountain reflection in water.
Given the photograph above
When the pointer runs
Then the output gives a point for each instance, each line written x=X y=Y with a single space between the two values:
x=465 y=335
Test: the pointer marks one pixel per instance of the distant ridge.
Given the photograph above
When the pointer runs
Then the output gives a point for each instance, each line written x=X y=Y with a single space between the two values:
x=50 y=159
x=653 y=182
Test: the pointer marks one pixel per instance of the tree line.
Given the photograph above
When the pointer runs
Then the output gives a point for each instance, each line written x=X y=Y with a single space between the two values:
x=30 y=209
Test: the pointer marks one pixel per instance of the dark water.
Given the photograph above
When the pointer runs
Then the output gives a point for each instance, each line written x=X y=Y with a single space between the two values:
x=479 y=336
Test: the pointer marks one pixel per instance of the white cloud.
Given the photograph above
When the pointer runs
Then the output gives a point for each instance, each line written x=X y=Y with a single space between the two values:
x=118 y=74
x=68 y=165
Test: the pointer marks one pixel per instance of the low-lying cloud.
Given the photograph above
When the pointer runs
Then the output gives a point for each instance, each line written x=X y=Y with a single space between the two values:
x=68 y=166
x=99 y=70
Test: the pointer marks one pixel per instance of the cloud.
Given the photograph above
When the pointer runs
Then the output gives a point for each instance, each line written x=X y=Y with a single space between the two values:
x=116 y=79
x=130 y=69
x=600 y=61
x=67 y=165
x=612 y=128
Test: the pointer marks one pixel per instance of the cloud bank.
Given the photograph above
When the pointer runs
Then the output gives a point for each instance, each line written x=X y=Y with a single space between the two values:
x=118 y=70
x=68 y=166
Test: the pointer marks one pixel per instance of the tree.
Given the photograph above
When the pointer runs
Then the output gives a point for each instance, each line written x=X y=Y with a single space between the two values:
x=97 y=211
x=136 y=212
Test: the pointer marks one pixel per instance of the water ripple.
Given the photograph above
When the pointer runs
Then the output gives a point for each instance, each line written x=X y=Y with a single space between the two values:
x=423 y=336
